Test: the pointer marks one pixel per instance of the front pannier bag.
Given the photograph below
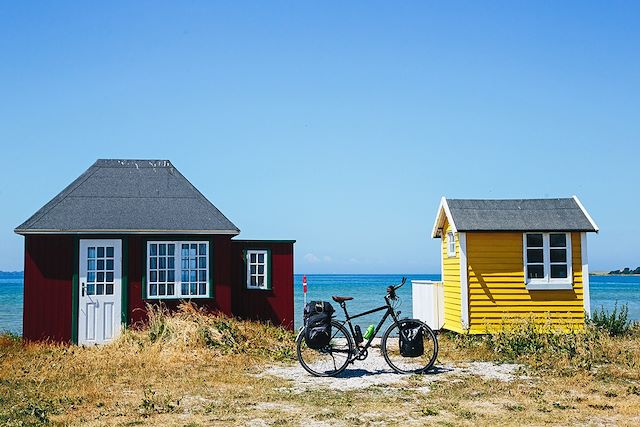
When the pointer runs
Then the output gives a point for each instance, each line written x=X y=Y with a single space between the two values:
x=317 y=324
x=411 y=344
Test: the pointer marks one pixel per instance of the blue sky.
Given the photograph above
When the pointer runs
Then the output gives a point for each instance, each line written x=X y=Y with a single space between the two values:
x=338 y=124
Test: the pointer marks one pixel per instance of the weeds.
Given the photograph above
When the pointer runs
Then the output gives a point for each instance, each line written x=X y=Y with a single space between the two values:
x=193 y=327
x=190 y=367
x=152 y=403
x=616 y=323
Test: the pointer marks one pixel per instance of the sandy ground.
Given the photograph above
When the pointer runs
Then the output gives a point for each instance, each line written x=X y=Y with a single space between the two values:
x=374 y=371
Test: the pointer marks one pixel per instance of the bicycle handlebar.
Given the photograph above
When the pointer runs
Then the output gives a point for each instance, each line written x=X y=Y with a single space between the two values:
x=391 y=290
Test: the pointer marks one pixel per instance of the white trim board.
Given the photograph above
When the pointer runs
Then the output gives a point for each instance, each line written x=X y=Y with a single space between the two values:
x=443 y=209
x=586 y=298
x=584 y=211
x=464 y=285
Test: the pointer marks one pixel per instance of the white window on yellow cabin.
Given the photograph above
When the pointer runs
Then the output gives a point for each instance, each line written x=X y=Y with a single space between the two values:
x=547 y=261
x=451 y=244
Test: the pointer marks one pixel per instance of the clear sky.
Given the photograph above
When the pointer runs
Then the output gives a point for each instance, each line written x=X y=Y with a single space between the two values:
x=338 y=124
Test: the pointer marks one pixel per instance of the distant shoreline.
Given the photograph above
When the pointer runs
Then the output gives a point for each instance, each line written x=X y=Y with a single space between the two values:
x=602 y=273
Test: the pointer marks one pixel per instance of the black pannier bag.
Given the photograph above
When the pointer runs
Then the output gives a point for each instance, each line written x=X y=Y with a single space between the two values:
x=317 y=324
x=411 y=344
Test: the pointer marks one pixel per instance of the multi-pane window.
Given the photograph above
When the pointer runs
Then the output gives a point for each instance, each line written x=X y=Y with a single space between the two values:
x=547 y=257
x=100 y=270
x=177 y=269
x=257 y=269
x=194 y=266
x=451 y=244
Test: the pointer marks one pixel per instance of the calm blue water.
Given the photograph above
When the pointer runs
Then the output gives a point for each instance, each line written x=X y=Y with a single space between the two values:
x=368 y=291
x=11 y=304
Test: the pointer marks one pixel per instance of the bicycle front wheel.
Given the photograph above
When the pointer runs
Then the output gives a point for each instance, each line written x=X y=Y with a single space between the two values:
x=402 y=363
x=330 y=360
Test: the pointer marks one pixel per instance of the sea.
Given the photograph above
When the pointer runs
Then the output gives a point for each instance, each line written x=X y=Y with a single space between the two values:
x=367 y=290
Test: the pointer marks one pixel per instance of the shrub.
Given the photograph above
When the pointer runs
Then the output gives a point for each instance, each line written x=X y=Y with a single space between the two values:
x=193 y=327
x=615 y=323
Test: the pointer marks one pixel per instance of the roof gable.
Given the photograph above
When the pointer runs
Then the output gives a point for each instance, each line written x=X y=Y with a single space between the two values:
x=563 y=214
x=144 y=196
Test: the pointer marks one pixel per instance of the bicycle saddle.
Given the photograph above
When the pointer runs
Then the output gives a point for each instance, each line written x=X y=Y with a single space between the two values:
x=341 y=299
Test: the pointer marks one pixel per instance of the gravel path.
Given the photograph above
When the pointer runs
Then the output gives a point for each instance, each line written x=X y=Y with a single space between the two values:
x=374 y=371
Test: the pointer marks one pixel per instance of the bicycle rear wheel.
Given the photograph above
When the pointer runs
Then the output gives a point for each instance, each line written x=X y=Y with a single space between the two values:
x=390 y=346
x=330 y=360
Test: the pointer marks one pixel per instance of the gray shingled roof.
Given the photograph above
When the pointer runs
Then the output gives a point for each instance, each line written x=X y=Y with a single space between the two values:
x=129 y=196
x=519 y=215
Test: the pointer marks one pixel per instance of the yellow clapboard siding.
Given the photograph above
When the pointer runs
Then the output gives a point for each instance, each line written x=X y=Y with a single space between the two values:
x=497 y=289
x=523 y=300
x=451 y=279
x=499 y=283
x=506 y=290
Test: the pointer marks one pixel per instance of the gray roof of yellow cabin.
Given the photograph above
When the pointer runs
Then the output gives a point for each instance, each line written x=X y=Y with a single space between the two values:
x=565 y=214
x=129 y=196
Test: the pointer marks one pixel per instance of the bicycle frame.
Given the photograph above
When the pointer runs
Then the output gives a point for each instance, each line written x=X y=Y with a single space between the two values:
x=363 y=348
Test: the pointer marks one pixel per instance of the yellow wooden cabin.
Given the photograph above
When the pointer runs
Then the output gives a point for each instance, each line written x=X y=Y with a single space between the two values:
x=503 y=259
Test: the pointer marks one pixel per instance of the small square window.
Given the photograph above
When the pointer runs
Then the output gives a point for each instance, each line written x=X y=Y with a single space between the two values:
x=451 y=244
x=257 y=262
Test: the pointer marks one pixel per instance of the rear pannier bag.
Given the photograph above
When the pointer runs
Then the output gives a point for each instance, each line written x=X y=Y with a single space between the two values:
x=317 y=324
x=411 y=344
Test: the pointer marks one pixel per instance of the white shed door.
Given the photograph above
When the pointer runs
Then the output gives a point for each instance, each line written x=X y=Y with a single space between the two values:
x=100 y=293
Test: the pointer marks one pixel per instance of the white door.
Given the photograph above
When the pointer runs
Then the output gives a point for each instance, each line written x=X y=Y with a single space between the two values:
x=100 y=293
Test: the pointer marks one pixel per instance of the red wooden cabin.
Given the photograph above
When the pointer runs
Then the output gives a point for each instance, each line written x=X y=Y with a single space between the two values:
x=131 y=232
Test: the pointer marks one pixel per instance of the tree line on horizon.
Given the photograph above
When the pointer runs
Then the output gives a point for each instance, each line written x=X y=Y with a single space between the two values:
x=626 y=270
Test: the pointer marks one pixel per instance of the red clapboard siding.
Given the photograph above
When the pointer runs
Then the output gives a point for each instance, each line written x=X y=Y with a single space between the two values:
x=276 y=304
x=48 y=276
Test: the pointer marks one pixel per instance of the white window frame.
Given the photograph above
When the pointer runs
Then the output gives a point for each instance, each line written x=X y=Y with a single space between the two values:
x=451 y=240
x=547 y=282
x=266 y=284
x=177 y=287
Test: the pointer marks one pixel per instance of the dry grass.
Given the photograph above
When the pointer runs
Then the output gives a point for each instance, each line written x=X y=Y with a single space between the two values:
x=194 y=369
